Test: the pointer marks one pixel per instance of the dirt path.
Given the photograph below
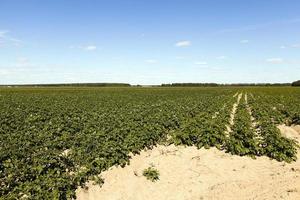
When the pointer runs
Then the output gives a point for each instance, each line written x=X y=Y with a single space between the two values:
x=187 y=173
x=232 y=115
x=256 y=130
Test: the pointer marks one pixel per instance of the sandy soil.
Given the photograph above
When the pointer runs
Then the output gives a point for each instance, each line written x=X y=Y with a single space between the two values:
x=188 y=173
x=235 y=105
x=232 y=115
x=254 y=127
x=290 y=131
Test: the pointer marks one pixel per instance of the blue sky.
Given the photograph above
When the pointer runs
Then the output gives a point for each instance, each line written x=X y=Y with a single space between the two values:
x=149 y=41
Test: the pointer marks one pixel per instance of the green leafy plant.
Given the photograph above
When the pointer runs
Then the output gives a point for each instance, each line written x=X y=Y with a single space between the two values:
x=151 y=174
x=103 y=127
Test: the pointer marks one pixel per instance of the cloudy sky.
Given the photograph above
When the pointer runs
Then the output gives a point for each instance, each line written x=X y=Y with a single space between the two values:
x=149 y=41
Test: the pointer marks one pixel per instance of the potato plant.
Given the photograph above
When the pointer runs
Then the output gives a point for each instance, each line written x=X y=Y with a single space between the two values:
x=54 y=140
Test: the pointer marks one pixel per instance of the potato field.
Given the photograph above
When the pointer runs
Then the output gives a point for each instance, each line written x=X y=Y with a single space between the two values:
x=53 y=140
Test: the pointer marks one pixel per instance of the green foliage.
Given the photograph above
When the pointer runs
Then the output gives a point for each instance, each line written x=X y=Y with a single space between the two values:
x=296 y=83
x=271 y=108
x=98 y=127
x=242 y=140
x=151 y=174
x=54 y=140
x=97 y=180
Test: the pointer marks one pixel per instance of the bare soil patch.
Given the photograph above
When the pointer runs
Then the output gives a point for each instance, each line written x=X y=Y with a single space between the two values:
x=254 y=123
x=232 y=115
x=189 y=173
x=290 y=131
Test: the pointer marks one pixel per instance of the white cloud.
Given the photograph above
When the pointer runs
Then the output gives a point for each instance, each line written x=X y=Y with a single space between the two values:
x=151 y=61
x=244 y=41
x=90 y=48
x=7 y=39
x=184 y=43
x=86 y=48
x=275 y=60
x=290 y=46
x=221 y=57
x=200 y=63
x=15 y=42
x=295 y=45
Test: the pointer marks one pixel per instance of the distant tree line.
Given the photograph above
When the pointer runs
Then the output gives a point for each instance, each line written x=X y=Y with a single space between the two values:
x=190 y=85
x=257 y=84
x=74 y=85
x=296 y=83
x=224 y=85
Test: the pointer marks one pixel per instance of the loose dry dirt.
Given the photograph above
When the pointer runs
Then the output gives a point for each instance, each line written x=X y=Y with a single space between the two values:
x=254 y=127
x=232 y=115
x=189 y=173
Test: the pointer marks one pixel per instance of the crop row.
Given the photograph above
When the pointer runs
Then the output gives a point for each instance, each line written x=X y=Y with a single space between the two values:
x=53 y=141
x=242 y=140
x=273 y=143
